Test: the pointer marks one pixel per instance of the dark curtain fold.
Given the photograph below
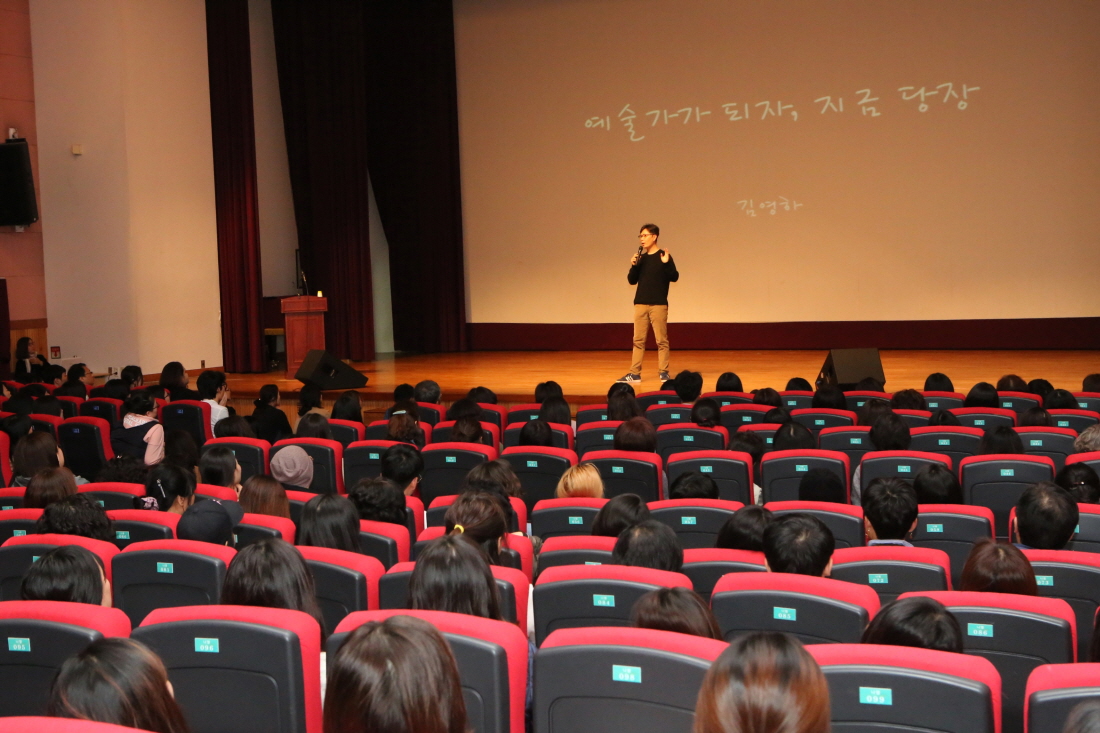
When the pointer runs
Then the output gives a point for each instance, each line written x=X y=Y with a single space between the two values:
x=412 y=141
x=234 y=144
x=321 y=56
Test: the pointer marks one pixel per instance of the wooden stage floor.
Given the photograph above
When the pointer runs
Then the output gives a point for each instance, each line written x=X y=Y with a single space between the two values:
x=586 y=375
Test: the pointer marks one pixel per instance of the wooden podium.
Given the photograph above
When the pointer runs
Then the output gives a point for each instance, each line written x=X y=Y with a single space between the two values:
x=304 y=320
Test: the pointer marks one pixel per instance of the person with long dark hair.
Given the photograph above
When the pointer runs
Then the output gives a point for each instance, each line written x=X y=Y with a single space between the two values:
x=139 y=435
x=329 y=521
x=453 y=575
x=30 y=366
x=174 y=378
x=348 y=406
x=270 y=573
x=67 y=573
x=269 y=422
x=675 y=609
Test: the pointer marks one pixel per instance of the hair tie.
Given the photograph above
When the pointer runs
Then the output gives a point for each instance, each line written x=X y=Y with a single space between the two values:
x=397 y=412
x=460 y=528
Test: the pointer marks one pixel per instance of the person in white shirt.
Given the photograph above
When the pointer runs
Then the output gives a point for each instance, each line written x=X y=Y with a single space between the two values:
x=215 y=392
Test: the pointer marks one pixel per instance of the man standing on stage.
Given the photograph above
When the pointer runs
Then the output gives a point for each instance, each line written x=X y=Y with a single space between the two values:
x=651 y=269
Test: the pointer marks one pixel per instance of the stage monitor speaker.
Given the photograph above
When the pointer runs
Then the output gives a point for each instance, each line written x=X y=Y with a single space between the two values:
x=328 y=372
x=848 y=367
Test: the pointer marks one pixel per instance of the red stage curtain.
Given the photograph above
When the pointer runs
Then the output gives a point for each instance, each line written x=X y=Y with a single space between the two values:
x=234 y=142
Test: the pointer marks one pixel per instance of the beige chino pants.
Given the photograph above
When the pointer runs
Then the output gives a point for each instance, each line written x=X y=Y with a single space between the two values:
x=644 y=317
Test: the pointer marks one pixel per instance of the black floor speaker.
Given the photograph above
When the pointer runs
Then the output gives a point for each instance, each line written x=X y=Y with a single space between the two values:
x=847 y=367
x=328 y=372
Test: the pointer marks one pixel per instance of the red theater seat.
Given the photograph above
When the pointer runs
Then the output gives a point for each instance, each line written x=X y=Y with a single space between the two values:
x=19 y=552
x=347 y=431
x=1054 y=443
x=915 y=418
x=696 y=522
x=819 y=418
x=576 y=550
x=86 y=442
x=437 y=512
x=796 y=399
x=705 y=566
x=596 y=436
x=490 y=433
x=345 y=582
x=140 y=525
x=1019 y=402
x=256 y=527
x=565 y=517
x=18 y=522
x=890 y=570
x=854 y=440
x=985 y=418
x=60 y=725
x=524 y=413
x=113 y=495
x=730 y=398
x=539 y=470
x=676 y=438
x=953 y=528
x=363 y=460
x=387 y=542
x=668 y=414
x=781 y=471
x=952 y=441
x=446 y=465
x=103 y=407
x=221 y=493
x=1079 y=420
x=943 y=400
x=736 y=415
x=903 y=464
x=1053 y=690
x=662 y=397
x=168 y=573
x=562 y=435
x=1073 y=577
x=192 y=416
x=590 y=413
x=252 y=453
x=629 y=472
x=731 y=471
x=843 y=520
x=856 y=399
x=997 y=481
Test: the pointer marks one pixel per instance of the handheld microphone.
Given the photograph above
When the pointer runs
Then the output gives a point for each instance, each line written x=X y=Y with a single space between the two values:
x=641 y=249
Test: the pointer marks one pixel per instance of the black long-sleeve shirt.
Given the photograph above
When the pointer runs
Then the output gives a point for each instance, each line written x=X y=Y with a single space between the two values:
x=652 y=278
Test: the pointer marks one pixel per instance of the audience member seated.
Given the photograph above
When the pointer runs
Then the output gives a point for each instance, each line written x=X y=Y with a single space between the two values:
x=467 y=430
x=919 y=622
x=348 y=406
x=890 y=512
x=943 y=418
x=235 y=426
x=1040 y=387
x=829 y=396
x=800 y=544
x=821 y=484
x=636 y=434
x=778 y=416
x=1035 y=417
x=479 y=519
x=872 y=411
x=214 y=391
x=403 y=464
x=48 y=405
x=938 y=382
x=403 y=426
x=427 y=391
x=168 y=488
x=693 y=485
x=619 y=513
x=174 y=378
x=262 y=494
x=210 y=521
x=619 y=388
x=622 y=406
x=745 y=529
x=482 y=395
x=766 y=396
x=403 y=392
x=728 y=382
x=114 y=389
x=379 y=500
x=1011 y=383
x=1084 y=717
x=313 y=425
x=555 y=410
x=1001 y=439
x=746 y=441
x=118 y=681
x=1079 y=479
x=33 y=453
x=1046 y=517
x=47 y=486
x=546 y=390
x=155 y=391
x=181 y=450
x=270 y=573
x=123 y=469
x=982 y=394
x=794 y=436
x=798 y=384
x=998 y=567
x=675 y=609
x=765 y=682
x=293 y=468
x=689 y=385
x=649 y=544
x=17 y=427
x=908 y=399
x=464 y=407
x=888 y=432
x=269 y=422
x=29 y=365
x=453 y=575
x=132 y=376
x=869 y=384
x=139 y=435
x=77 y=515
x=1088 y=440
x=309 y=401
x=77 y=380
x=1061 y=399
x=68 y=573
x=218 y=467
x=706 y=413
x=329 y=520
x=398 y=676
x=580 y=481
x=496 y=478
x=1091 y=383
x=937 y=484
x=536 y=433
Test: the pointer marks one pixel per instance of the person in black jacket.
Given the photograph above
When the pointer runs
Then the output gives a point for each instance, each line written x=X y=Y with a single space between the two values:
x=268 y=421
x=651 y=269
x=30 y=366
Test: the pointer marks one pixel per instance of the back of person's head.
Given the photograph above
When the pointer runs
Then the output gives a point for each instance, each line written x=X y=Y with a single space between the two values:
x=77 y=515
x=348 y=406
x=799 y=543
x=919 y=622
x=123 y=469
x=482 y=395
x=1000 y=439
x=870 y=384
x=1035 y=417
x=908 y=399
x=116 y=389
x=582 y=480
x=132 y=375
x=261 y=494
x=1091 y=383
x=623 y=407
x=706 y=413
x=402 y=463
x=17 y=427
x=693 y=485
x=403 y=428
x=171 y=486
x=397 y=676
x=379 y=499
x=937 y=484
x=67 y=573
x=619 y=388
x=890 y=432
x=139 y=402
x=778 y=416
x=452 y=574
x=464 y=407
x=745 y=529
x=234 y=426
x=998 y=567
x=1011 y=383
x=982 y=394
x=119 y=681
x=172 y=375
x=536 y=433
x=404 y=391
x=636 y=434
x=313 y=425
x=478 y=518
x=764 y=682
x=938 y=382
x=689 y=385
x=270 y=573
x=798 y=384
x=218 y=466
x=649 y=544
x=1079 y=479
x=467 y=430
x=1046 y=517
x=493 y=476
x=1084 y=717
x=208 y=384
x=1040 y=387
x=546 y=390
x=829 y=396
x=1088 y=440
x=180 y=449
x=427 y=391
x=329 y=520
x=269 y=395
x=821 y=484
x=210 y=520
x=793 y=436
x=619 y=513
x=48 y=486
x=728 y=382
x=292 y=466
x=890 y=508
x=34 y=452
x=746 y=441
x=766 y=396
x=309 y=398
x=555 y=410
x=943 y=418
x=872 y=410
x=48 y=405
x=675 y=609
x=1061 y=399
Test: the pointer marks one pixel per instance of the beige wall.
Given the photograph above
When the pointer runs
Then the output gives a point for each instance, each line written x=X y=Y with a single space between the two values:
x=131 y=243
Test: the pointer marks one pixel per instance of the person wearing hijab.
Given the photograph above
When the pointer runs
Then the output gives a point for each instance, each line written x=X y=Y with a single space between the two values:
x=293 y=468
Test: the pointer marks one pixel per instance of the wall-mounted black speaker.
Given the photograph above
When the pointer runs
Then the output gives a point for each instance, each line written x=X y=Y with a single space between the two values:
x=328 y=372
x=18 y=206
x=847 y=367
